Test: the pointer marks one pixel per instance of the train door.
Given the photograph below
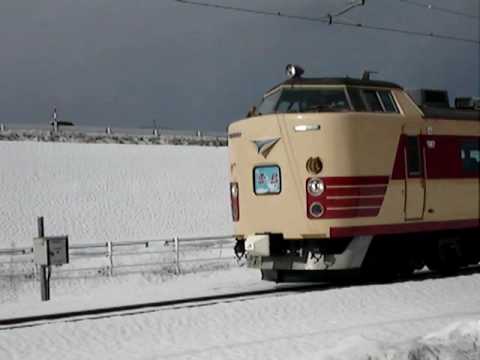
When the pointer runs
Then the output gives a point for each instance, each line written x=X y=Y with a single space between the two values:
x=414 y=179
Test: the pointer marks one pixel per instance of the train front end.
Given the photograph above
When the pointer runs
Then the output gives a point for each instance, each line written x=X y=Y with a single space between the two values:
x=301 y=171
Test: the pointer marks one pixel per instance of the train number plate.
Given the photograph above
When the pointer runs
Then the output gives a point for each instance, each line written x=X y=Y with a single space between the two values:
x=267 y=180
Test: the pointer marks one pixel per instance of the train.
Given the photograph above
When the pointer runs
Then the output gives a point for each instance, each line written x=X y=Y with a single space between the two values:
x=334 y=176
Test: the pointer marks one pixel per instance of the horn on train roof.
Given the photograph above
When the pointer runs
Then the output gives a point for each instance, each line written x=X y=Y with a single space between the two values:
x=294 y=71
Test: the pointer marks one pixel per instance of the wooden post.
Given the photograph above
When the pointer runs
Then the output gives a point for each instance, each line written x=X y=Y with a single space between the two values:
x=44 y=280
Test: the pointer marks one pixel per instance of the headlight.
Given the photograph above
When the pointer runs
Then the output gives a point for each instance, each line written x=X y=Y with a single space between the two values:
x=315 y=186
x=316 y=210
x=234 y=201
x=293 y=71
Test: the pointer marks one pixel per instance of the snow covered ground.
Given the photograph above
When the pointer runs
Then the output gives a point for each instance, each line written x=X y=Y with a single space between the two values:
x=124 y=192
x=103 y=192
x=430 y=319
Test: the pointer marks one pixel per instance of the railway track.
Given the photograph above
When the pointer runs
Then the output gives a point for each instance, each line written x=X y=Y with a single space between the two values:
x=134 y=309
x=148 y=307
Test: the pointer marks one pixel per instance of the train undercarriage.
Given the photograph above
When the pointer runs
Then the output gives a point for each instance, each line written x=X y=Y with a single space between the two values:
x=378 y=257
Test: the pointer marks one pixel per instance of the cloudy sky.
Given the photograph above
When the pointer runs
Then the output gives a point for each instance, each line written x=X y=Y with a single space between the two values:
x=129 y=62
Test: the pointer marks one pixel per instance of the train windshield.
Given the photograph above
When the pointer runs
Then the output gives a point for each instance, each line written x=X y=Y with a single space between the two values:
x=269 y=103
x=300 y=100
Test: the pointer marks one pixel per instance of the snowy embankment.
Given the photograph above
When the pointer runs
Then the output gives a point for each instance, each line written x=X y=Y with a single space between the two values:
x=124 y=192
x=163 y=137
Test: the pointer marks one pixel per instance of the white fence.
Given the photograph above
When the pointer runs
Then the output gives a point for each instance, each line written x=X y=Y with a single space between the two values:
x=173 y=255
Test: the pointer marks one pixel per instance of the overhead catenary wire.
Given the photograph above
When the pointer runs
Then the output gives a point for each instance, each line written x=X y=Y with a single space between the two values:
x=328 y=20
x=439 y=9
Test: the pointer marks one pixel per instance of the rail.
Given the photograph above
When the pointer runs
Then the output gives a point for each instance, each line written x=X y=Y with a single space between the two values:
x=172 y=255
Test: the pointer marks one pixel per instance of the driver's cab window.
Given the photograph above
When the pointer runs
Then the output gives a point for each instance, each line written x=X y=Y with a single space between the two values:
x=312 y=100
x=286 y=105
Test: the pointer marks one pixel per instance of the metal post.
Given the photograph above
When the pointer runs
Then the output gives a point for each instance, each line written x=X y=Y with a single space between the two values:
x=110 y=258
x=44 y=280
x=177 y=255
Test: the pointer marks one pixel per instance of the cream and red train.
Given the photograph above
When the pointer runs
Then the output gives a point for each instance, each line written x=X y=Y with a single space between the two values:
x=344 y=174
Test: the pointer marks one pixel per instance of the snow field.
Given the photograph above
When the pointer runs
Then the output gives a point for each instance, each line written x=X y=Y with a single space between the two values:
x=111 y=192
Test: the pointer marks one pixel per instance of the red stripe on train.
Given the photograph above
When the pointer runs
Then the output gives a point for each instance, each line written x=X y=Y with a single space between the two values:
x=355 y=191
x=355 y=180
x=350 y=191
x=443 y=158
x=353 y=202
x=349 y=213
x=336 y=232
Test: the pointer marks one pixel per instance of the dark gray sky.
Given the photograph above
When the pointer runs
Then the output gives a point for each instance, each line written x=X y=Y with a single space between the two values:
x=127 y=62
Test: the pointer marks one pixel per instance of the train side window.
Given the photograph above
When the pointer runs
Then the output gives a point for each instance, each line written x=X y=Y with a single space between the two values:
x=414 y=164
x=387 y=101
x=373 y=101
x=470 y=155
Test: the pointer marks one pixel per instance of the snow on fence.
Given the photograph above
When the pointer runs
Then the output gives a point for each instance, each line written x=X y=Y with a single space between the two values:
x=173 y=255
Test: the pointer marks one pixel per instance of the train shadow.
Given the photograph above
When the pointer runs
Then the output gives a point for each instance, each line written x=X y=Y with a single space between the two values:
x=309 y=281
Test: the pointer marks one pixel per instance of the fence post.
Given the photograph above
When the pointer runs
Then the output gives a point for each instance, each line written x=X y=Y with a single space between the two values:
x=177 y=255
x=221 y=249
x=110 y=258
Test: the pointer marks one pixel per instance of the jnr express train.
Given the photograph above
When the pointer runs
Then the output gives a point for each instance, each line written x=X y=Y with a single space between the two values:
x=335 y=174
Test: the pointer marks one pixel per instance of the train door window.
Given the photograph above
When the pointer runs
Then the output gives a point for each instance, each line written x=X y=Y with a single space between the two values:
x=470 y=155
x=373 y=101
x=414 y=164
x=356 y=99
x=387 y=101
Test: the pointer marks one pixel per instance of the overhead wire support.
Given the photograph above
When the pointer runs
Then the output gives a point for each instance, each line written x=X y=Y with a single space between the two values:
x=329 y=20
x=353 y=4
x=439 y=9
